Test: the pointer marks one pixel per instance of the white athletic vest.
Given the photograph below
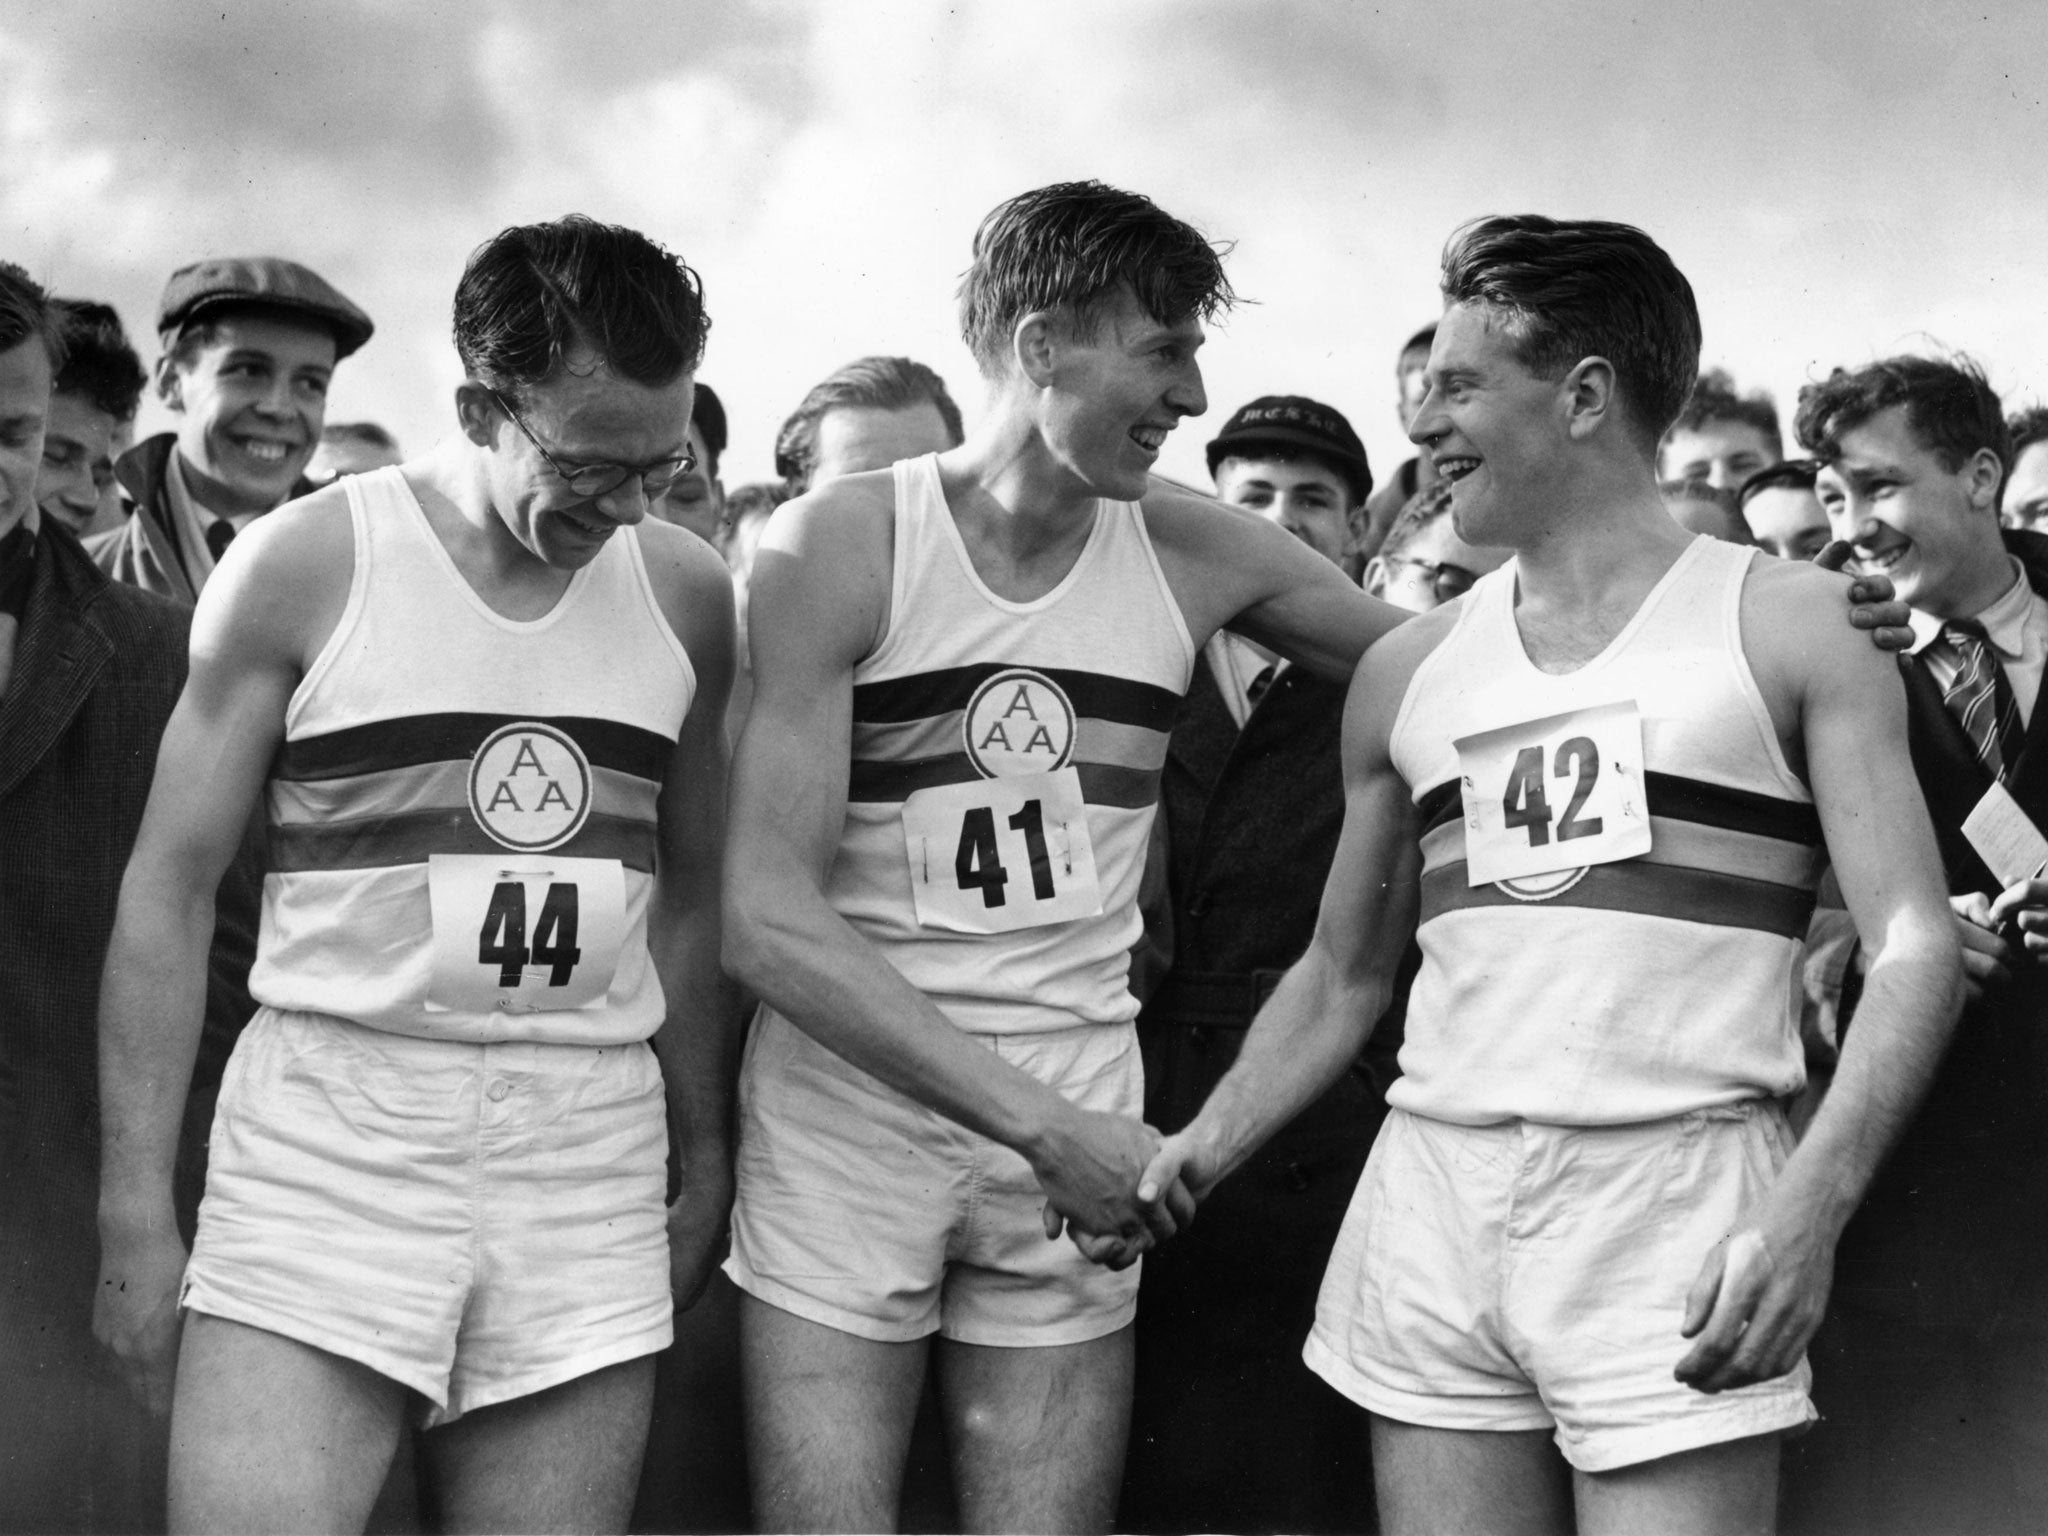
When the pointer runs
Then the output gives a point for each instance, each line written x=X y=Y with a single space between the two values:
x=462 y=813
x=1645 y=986
x=1006 y=761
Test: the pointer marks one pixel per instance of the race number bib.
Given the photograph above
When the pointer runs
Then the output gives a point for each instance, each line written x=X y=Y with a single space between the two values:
x=996 y=855
x=1555 y=794
x=524 y=932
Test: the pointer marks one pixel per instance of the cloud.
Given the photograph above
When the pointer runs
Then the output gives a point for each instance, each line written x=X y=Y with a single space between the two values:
x=1837 y=180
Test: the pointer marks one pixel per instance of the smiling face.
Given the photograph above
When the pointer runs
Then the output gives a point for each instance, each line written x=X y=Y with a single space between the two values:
x=582 y=418
x=1722 y=453
x=1495 y=430
x=1308 y=499
x=251 y=399
x=856 y=438
x=1931 y=529
x=79 y=449
x=1113 y=398
x=1787 y=522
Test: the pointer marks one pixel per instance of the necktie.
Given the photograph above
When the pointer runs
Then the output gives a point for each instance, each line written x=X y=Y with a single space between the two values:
x=1255 y=690
x=220 y=533
x=1981 y=698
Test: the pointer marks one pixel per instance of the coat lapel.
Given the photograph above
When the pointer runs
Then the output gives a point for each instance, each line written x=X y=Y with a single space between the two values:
x=58 y=657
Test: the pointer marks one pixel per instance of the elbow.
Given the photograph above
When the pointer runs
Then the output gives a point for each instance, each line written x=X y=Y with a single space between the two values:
x=746 y=939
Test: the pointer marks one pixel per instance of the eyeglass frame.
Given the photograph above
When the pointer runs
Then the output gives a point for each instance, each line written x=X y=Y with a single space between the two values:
x=1437 y=570
x=622 y=472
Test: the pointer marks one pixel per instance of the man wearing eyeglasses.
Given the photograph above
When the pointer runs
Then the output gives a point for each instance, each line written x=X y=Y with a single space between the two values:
x=1424 y=564
x=482 y=694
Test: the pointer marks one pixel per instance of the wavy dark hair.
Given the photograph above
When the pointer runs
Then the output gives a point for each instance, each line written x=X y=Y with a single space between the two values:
x=1714 y=398
x=535 y=294
x=1574 y=289
x=1072 y=246
x=99 y=363
x=866 y=383
x=25 y=311
x=1950 y=406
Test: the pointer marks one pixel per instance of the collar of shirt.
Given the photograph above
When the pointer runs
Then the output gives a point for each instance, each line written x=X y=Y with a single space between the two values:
x=2005 y=621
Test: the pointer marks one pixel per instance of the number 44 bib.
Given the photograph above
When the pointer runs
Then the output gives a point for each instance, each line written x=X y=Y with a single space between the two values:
x=524 y=932
x=1551 y=795
x=995 y=855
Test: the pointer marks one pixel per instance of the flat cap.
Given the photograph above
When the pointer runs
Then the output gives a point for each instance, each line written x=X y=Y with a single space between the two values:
x=1294 y=422
x=261 y=282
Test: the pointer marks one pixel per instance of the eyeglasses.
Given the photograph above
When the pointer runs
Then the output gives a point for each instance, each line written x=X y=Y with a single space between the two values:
x=594 y=480
x=1446 y=580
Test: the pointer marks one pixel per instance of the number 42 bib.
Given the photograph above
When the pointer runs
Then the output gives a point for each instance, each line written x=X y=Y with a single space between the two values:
x=1553 y=795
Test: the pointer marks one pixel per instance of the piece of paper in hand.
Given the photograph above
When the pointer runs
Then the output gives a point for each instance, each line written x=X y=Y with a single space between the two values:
x=2005 y=838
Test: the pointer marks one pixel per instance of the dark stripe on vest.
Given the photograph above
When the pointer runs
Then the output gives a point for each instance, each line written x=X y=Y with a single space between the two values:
x=1104 y=784
x=1655 y=890
x=409 y=740
x=379 y=842
x=924 y=694
x=1679 y=799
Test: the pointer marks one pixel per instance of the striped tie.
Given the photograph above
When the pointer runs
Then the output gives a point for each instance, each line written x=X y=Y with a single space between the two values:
x=1981 y=698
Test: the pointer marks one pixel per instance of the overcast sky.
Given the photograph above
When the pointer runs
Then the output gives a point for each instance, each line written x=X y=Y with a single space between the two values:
x=1839 y=178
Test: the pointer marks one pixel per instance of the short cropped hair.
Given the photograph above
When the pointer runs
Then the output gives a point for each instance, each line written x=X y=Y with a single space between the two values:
x=1423 y=508
x=707 y=415
x=1949 y=404
x=25 y=311
x=1421 y=341
x=1072 y=247
x=866 y=383
x=536 y=294
x=1785 y=475
x=99 y=364
x=1585 y=288
x=1714 y=398
x=2027 y=428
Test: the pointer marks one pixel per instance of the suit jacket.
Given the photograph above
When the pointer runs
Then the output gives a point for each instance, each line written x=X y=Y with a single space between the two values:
x=1962 y=1201
x=98 y=667
x=144 y=551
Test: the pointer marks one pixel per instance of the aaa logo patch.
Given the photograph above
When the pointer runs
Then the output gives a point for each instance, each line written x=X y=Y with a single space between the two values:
x=1018 y=721
x=529 y=787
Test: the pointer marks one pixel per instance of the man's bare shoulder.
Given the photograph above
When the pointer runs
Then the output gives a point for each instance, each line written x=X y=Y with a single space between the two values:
x=692 y=585
x=822 y=573
x=1795 y=618
x=1386 y=670
x=283 y=584
x=1178 y=514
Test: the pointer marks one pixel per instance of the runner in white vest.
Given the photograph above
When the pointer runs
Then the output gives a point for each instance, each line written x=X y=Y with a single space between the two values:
x=487 y=695
x=1600 y=782
x=967 y=668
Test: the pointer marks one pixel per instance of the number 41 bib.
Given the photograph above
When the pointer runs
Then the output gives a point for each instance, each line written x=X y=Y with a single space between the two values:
x=995 y=855
x=1560 y=793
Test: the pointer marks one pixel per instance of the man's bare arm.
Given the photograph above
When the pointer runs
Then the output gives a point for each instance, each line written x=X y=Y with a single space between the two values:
x=819 y=591
x=1232 y=570
x=1325 y=1008
x=698 y=1042
x=1757 y=1302
x=248 y=638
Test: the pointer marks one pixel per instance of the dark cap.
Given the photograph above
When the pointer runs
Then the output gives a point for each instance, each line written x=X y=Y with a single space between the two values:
x=1298 y=425
x=261 y=282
